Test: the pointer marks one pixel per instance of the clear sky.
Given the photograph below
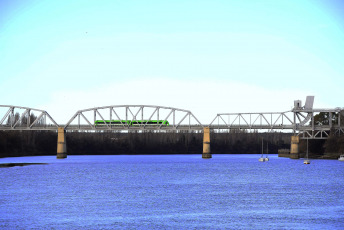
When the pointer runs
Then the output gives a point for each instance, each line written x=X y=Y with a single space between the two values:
x=207 y=56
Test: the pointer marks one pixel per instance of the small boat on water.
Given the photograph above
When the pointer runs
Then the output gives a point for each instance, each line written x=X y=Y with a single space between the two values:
x=306 y=161
x=341 y=158
x=262 y=159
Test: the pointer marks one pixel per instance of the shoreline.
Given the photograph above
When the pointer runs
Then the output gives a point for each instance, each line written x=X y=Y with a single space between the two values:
x=8 y=165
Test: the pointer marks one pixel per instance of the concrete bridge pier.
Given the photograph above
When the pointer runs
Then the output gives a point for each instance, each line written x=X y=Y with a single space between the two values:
x=294 y=147
x=61 y=144
x=206 y=144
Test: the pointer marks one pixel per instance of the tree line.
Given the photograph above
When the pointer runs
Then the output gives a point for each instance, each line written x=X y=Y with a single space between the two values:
x=26 y=143
x=324 y=118
x=18 y=120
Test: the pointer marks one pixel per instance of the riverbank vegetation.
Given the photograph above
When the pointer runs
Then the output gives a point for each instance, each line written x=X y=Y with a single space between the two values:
x=29 y=143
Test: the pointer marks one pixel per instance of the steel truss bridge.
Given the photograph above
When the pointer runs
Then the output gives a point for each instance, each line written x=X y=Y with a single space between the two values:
x=300 y=120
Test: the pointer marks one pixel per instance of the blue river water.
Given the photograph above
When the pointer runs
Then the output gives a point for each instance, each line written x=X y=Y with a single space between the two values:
x=171 y=192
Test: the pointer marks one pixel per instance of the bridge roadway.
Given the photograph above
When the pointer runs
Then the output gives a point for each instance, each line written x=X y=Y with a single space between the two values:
x=169 y=128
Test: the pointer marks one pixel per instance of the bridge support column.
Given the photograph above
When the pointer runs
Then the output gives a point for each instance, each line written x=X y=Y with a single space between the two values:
x=61 y=144
x=294 y=147
x=206 y=143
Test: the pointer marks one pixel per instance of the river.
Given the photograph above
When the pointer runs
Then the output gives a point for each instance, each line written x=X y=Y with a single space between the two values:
x=171 y=192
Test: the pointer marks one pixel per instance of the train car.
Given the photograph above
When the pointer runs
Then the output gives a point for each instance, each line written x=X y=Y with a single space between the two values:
x=112 y=122
x=131 y=122
x=149 y=122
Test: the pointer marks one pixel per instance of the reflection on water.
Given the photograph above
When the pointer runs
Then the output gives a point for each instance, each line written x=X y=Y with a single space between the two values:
x=171 y=191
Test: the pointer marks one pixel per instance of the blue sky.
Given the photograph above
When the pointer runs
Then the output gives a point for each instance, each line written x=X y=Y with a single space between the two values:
x=205 y=56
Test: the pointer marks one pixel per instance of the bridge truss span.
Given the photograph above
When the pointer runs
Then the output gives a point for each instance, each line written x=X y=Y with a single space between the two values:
x=259 y=120
x=133 y=117
x=25 y=118
x=307 y=123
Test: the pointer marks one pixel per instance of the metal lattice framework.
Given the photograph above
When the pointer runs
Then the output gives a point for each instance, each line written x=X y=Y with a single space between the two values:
x=24 y=118
x=299 y=120
x=308 y=129
x=139 y=115
x=262 y=120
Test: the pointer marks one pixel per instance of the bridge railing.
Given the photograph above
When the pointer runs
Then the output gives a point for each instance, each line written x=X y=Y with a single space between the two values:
x=25 y=118
x=133 y=117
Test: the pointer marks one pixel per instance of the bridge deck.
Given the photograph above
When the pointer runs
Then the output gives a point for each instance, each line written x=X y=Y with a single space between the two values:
x=180 y=127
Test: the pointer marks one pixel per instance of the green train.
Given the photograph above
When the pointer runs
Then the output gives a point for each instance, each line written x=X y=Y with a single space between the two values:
x=131 y=122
